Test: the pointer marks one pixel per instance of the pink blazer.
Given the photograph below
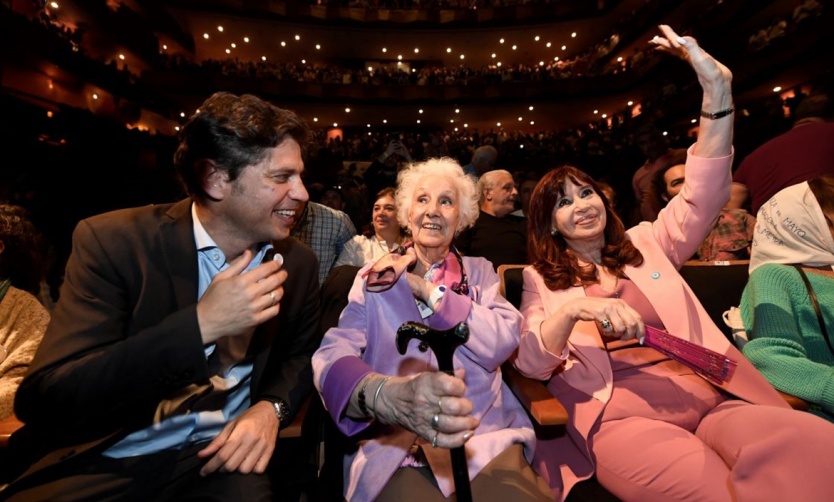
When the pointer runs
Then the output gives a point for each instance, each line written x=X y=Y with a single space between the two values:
x=583 y=380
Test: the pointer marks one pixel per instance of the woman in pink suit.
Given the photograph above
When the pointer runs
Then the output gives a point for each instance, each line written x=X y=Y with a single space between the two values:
x=649 y=427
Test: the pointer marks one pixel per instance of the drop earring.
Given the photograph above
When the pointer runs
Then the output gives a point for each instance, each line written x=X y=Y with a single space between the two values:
x=554 y=232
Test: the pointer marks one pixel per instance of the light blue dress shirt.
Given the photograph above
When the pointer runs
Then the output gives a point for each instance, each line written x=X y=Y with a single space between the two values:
x=181 y=431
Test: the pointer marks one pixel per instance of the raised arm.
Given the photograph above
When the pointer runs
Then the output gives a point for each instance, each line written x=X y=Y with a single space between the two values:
x=715 y=135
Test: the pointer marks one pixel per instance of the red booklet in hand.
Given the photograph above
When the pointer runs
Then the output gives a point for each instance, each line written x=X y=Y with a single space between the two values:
x=709 y=364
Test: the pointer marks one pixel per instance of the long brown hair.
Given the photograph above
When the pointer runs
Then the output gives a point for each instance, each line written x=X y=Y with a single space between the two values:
x=550 y=255
x=823 y=189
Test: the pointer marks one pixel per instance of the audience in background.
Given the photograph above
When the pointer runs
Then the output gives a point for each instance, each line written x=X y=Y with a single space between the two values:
x=804 y=152
x=732 y=232
x=496 y=235
x=655 y=148
x=484 y=159
x=788 y=303
x=23 y=319
x=383 y=237
x=326 y=231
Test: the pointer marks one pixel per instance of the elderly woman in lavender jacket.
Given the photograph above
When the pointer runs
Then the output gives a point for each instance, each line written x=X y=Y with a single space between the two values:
x=403 y=413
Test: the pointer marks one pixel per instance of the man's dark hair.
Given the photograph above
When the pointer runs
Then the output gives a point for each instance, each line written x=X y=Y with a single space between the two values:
x=817 y=105
x=233 y=132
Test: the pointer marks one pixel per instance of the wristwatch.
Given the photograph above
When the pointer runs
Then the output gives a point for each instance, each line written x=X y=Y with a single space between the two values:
x=282 y=411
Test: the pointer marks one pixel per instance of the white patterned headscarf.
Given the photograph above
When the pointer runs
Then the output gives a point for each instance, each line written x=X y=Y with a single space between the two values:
x=791 y=228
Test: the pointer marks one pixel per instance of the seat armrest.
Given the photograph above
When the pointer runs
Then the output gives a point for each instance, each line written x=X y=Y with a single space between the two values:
x=541 y=405
x=7 y=426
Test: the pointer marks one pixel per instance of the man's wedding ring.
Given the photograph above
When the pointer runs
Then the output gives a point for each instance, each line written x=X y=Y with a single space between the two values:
x=435 y=422
x=606 y=324
x=272 y=297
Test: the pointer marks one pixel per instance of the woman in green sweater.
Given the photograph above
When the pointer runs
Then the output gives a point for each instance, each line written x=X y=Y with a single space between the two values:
x=788 y=303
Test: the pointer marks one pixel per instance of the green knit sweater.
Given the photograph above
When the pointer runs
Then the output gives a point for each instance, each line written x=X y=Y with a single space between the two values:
x=786 y=343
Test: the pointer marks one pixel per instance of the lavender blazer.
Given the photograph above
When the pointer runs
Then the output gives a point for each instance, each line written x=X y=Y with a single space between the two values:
x=583 y=380
x=364 y=341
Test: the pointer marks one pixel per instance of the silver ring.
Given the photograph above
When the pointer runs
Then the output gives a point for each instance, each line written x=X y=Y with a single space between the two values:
x=434 y=440
x=606 y=324
x=435 y=422
x=272 y=297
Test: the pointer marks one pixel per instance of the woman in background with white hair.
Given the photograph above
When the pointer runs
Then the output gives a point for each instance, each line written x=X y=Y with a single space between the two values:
x=788 y=303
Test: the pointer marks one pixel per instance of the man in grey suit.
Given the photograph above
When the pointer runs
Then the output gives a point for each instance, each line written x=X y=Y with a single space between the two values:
x=179 y=346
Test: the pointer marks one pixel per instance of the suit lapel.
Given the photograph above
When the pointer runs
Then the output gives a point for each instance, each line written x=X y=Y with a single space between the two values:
x=180 y=252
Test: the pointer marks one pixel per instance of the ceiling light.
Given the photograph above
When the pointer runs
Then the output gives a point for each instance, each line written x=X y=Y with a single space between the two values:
x=164 y=47
x=777 y=89
x=531 y=108
x=228 y=51
x=448 y=50
x=537 y=38
x=122 y=57
x=384 y=49
x=283 y=44
x=630 y=103
x=416 y=50
x=498 y=124
x=315 y=119
x=501 y=41
x=234 y=46
x=246 y=39
x=263 y=58
x=420 y=110
x=596 y=111
x=457 y=110
x=549 y=44
x=462 y=56
x=318 y=47
x=515 y=47
x=347 y=110
x=573 y=35
x=220 y=29
x=205 y=35
x=564 y=47
x=298 y=37
x=335 y=124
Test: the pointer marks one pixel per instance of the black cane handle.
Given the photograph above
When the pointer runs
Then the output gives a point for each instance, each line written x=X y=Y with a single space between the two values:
x=443 y=344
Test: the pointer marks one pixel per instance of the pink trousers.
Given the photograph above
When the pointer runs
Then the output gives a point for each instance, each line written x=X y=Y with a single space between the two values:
x=736 y=452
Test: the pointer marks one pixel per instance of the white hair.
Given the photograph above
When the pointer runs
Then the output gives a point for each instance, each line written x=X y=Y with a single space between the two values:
x=408 y=179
